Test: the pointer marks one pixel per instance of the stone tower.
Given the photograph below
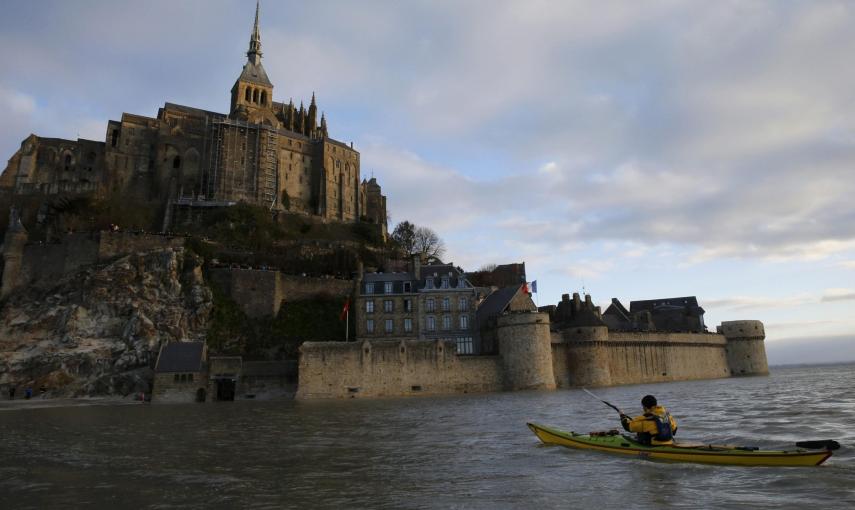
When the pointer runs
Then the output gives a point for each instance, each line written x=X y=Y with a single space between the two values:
x=13 y=251
x=253 y=91
x=746 y=350
x=524 y=343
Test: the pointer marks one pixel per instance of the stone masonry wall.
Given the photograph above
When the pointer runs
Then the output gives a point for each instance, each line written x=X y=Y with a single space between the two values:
x=112 y=244
x=643 y=357
x=388 y=368
x=260 y=292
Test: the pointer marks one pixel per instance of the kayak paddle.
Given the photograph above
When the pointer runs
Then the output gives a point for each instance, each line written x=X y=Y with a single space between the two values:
x=826 y=444
x=604 y=402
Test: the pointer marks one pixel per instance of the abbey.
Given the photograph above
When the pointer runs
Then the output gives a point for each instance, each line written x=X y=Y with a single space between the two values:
x=263 y=152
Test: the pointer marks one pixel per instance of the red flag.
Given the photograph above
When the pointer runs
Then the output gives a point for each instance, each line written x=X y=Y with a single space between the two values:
x=344 y=310
x=525 y=288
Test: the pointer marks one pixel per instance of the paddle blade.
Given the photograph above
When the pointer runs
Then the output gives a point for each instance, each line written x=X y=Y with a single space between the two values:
x=825 y=444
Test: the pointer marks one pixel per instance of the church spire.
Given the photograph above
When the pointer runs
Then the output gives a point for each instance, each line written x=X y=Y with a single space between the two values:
x=254 y=53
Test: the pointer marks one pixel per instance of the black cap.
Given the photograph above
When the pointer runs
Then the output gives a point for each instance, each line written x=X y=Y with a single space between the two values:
x=649 y=401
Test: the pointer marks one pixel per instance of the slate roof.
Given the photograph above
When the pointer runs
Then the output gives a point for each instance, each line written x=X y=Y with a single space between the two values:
x=495 y=304
x=255 y=73
x=387 y=277
x=665 y=303
x=181 y=357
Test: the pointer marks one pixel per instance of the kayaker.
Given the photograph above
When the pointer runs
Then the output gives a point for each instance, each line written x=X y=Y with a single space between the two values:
x=655 y=427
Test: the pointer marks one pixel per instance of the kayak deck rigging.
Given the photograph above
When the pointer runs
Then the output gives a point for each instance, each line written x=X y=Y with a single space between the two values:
x=612 y=442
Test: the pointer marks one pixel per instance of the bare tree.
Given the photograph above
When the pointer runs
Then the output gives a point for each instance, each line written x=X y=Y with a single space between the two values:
x=428 y=243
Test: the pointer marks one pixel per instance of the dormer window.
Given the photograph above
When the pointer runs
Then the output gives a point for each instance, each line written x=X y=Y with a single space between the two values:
x=429 y=282
x=444 y=282
x=369 y=288
x=408 y=287
x=387 y=287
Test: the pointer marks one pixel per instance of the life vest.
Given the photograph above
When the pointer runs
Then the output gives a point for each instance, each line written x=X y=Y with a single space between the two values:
x=663 y=426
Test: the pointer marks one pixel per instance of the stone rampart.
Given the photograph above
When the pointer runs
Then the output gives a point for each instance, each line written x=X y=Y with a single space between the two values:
x=638 y=357
x=260 y=292
x=384 y=368
x=296 y=288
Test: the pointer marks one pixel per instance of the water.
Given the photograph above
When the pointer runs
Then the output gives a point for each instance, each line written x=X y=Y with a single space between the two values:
x=469 y=451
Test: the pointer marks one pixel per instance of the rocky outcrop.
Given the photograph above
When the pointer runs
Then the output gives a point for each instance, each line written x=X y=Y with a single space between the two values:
x=98 y=331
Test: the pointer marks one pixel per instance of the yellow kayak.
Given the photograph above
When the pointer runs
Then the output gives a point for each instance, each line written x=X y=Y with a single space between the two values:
x=612 y=442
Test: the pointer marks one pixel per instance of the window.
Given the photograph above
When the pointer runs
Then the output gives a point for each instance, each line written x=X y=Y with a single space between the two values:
x=263 y=97
x=429 y=282
x=389 y=326
x=464 y=322
x=388 y=305
x=461 y=283
x=431 y=323
x=175 y=379
x=408 y=325
x=369 y=288
x=369 y=326
x=463 y=304
x=446 y=322
x=387 y=287
x=369 y=306
x=444 y=282
x=446 y=304
x=190 y=377
x=176 y=162
x=114 y=138
x=248 y=96
x=464 y=345
x=430 y=305
x=255 y=96
x=408 y=287
x=408 y=305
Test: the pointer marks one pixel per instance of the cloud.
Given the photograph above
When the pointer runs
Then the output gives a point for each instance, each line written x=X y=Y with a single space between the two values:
x=838 y=295
x=759 y=302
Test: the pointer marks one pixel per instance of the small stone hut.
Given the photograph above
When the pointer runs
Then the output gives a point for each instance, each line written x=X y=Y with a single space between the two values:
x=181 y=372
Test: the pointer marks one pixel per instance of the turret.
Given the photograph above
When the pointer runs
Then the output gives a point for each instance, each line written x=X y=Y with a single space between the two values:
x=524 y=344
x=313 y=115
x=746 y=349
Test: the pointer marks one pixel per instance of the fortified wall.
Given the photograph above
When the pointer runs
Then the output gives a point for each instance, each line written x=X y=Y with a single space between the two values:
x=530 y=357
x=260 y=292
x=26 y=263
x=432 y=367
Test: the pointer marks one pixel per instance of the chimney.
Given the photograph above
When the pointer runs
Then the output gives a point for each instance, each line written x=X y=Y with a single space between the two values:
x=416 y=266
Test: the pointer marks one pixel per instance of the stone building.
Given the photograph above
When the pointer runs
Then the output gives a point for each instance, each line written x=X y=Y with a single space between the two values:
x=427 y=302
x=670 y=314
x=263 y=152
x=180 y=373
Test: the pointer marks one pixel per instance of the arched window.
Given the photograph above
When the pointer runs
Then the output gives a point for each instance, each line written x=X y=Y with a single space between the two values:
x=67 y=161
x=263 y=97
x=255 y=96
x=114 y=138
x=248 y=94
x=176 y=162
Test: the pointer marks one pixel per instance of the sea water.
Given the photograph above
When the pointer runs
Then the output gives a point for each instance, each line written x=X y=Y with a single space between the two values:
x=466 y=451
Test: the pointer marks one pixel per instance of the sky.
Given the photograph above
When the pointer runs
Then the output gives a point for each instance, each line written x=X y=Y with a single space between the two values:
x=630 y=150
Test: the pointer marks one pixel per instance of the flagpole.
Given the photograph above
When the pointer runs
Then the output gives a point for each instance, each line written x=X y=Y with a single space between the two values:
x=347 y=325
